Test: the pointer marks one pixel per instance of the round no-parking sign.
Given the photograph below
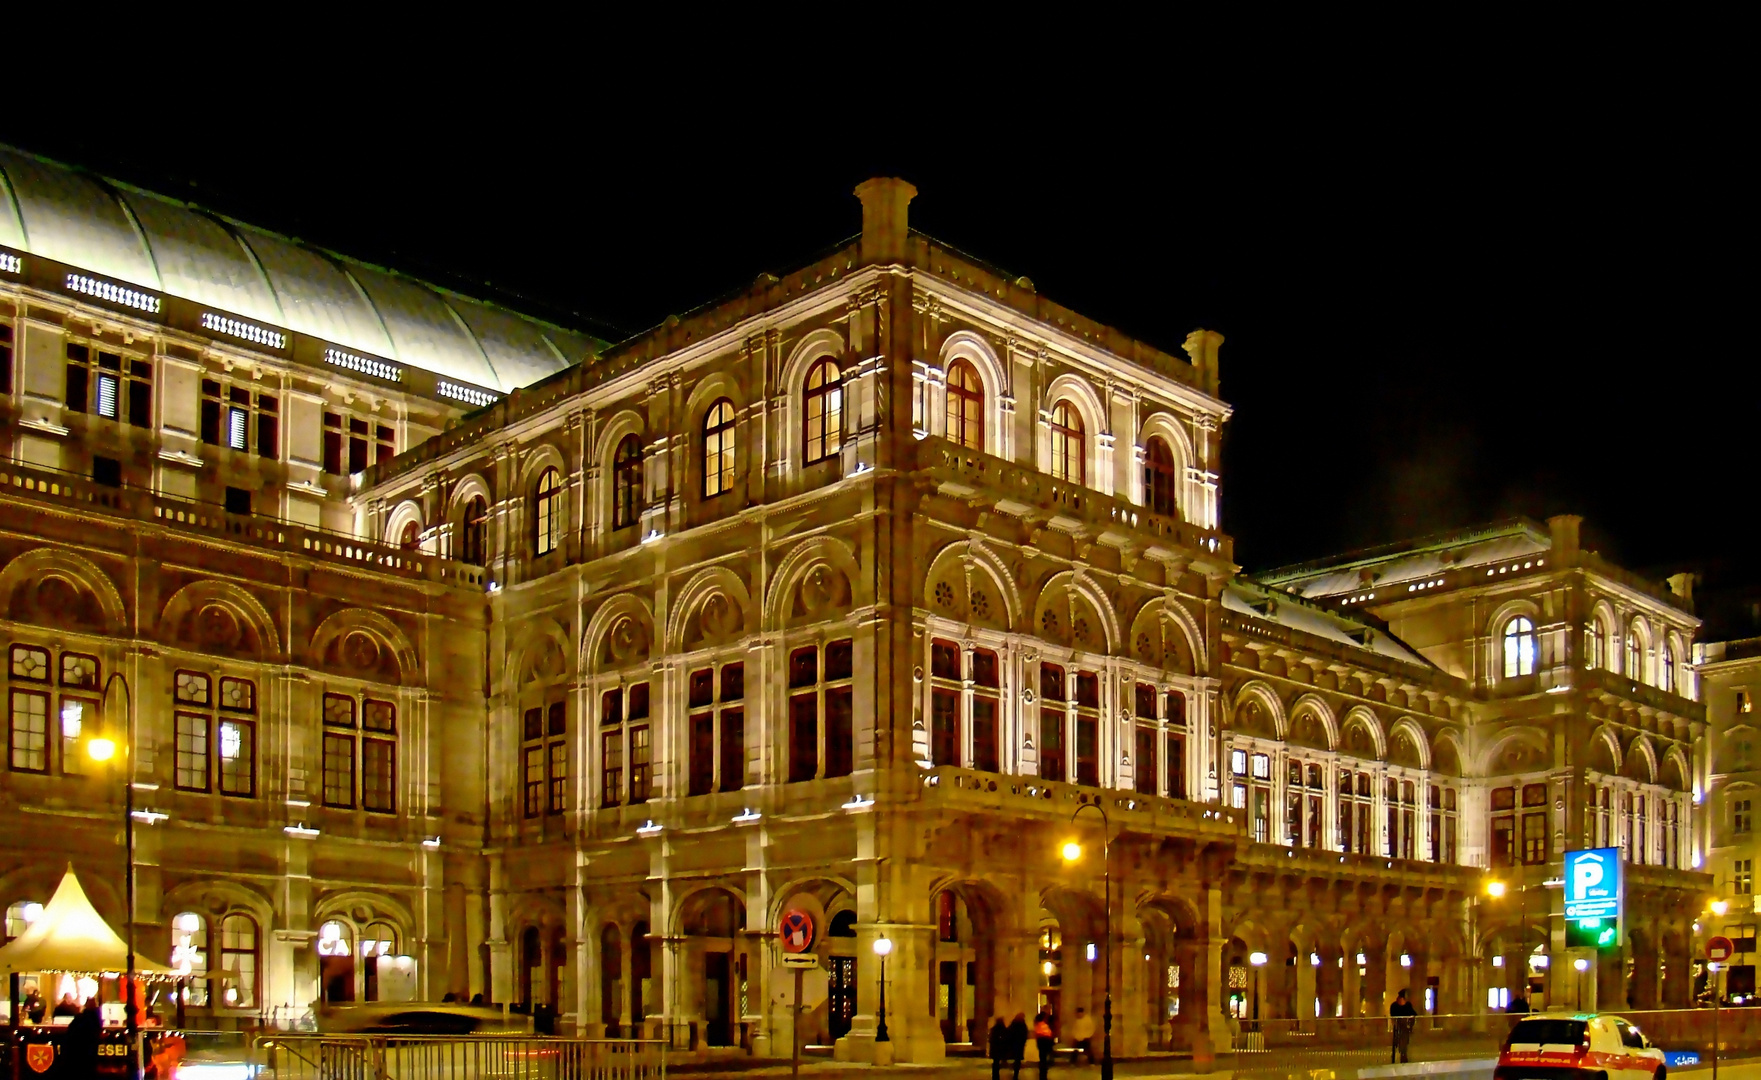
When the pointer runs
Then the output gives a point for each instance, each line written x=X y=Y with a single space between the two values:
x=1719 y=949
x=795 y=931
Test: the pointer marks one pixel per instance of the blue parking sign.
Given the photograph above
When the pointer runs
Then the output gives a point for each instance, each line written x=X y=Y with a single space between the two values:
x=1592 y=884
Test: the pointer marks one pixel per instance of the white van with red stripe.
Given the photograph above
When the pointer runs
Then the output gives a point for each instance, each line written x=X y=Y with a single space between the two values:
x=1577 y=1046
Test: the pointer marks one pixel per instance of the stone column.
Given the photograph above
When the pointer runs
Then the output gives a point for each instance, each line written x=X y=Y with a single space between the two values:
x=501 y=958
x=1307 y=990
x=1375 y=985
x=1351 y=985
x=1131 y=988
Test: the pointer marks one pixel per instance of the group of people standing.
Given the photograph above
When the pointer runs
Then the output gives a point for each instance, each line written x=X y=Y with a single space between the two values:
x=1008 y=1042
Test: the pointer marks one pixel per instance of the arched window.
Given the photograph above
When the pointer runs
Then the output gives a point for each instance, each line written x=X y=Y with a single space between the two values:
x=1666 y=668
x=473 y=531
x=377 y=940
x=1519 y=648
x=1594 y=645
x=1069 y=454
x=1159 y=478
x=336 y=963
x=626 y=480
x=965 y=406
x=718 y=448
x=411 y=538
x=548 y=507
x=1635 y=654
x=238 y=960
x=189 y=954
x=20 y=916
x=822 y=412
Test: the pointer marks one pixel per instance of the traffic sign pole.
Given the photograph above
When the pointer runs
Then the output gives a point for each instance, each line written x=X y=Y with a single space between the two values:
x=795 y=1028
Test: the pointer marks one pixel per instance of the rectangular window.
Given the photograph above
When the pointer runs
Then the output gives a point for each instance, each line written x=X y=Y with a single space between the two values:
x=1051 y=682
x=1262 y=767
x=1316 y=814
x=1504 y=840
x=1534 y=838
x=192 y=752
x=1745 y=876
x=1743 y=703
x=984 y=733
x=1051 y=741
x=1262 y=814
x=1176 y=765
x=733 y=738
x=1145 y=701
x=611 y=776
x=1238 y=762
x=534 y=779
x=1293 y=817
x=339 y=770
x=379 y=775
x=944 y=731
x=840 y=734
x=30 y=731
x=559 y=777
x=110 y=386
x=5 y=359
x=639 y=764
x=1145 y=763
x=701 y=764
x=1742 y=817
x=803 y=737
x=1088 y=690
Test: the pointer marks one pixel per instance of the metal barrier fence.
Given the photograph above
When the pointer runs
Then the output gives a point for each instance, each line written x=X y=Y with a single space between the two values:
x=1281 y=1049
x=464 y=1057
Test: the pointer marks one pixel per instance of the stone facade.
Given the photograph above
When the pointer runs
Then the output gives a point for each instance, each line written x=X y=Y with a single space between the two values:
x=857 y=595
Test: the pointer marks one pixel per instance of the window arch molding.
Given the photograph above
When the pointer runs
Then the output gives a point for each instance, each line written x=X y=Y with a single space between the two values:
x=1637 y=644
x=407 y=513
x=1603 y=622
x=471 y=486
x=625 y=423
x=972 y=348
x=1097 y=436
x=549 y=511
x=1421 y=742
x=710 y=389
x=814 y=346
x=1164 y=425
x=1496 y=626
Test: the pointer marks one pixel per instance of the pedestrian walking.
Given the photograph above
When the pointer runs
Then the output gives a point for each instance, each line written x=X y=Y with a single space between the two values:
x=999 y=1047
x=1046 y=1041
x=1018 y=1041
x=1404 y=1018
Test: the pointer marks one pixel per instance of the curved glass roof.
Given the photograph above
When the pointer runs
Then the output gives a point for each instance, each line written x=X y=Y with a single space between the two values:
x=136 y=237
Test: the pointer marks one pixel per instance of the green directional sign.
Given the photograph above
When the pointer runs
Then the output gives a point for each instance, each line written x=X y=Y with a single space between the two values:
x=1591 y=934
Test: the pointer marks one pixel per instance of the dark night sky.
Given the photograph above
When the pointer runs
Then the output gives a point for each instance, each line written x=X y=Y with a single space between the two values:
x=1436 y=314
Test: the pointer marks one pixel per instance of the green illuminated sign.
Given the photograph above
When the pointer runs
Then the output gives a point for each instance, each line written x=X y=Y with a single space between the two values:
x=1592 y=933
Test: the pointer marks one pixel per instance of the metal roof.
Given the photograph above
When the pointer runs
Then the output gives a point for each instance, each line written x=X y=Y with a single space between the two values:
x=124 y=234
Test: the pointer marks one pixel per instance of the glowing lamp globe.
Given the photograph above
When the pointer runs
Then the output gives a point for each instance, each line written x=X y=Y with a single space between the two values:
x=101 y=749
x=1072 y=851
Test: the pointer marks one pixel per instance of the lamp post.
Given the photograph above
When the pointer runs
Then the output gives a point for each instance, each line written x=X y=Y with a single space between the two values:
x=882 y=946
x=1073 y=852
x=1258 y=960
x=104 y=749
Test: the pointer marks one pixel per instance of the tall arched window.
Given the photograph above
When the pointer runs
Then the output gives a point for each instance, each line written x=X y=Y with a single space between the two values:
x=548 y=507
x=189 y=954
x=473 y=531
x=718 y=448
x=965 y=406
x=1519 y=648
x=1159 y=478
x=1666 y=668
x=626 y=480
x=1635 y=654
x=822 y=412
x=411 y=538
x=1069 y=452
x=1594 y=645
x=238 y=960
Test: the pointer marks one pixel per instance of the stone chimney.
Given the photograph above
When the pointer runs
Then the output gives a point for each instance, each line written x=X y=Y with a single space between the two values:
x=1201 y=346
x=1564 y=528
x=885 y=221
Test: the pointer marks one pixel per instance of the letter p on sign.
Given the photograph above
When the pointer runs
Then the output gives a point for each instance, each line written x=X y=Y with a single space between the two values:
x=1586 y=874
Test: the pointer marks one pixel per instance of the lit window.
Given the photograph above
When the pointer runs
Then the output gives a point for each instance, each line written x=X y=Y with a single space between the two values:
x=473 y=531
x=1744 y=704
x=1069 y=453
x=109 y=384
x=1593 y=645
x=718 y=448
x=1519 y=648
x=1159 y=477
x=549 y=516
x=965 y=406
x=822 y=412
x=626 y=470
x=1666 y=669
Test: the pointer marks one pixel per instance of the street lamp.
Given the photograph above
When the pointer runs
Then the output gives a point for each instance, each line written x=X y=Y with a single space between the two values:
x=1582 y=966
x=103 y=748
x=1258 y=960
x=1073 y=853
x=882 y=946
x=1719 y=907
